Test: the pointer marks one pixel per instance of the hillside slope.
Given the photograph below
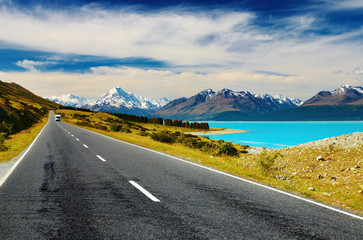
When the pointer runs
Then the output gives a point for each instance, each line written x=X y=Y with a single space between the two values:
x=20 y=108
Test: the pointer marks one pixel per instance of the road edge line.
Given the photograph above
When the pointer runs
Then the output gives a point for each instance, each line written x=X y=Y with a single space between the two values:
x=7 y=175
x=333 y=208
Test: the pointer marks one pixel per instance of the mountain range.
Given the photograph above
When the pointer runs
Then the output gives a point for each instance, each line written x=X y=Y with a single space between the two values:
x=344 y=103
x=344 y=95
x=210 y=105
x=70 y=100
x=115 y=101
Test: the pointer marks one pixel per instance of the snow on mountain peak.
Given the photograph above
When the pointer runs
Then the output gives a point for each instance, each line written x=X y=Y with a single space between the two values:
x=117 y=97
x=207 y=94
x=70 y=100
x=346 y=87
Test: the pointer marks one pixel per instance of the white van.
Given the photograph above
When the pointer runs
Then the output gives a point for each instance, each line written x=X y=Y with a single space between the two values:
x=57 y=117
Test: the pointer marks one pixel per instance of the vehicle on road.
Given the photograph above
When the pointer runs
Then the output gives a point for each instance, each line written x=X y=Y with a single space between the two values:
x=57 y=117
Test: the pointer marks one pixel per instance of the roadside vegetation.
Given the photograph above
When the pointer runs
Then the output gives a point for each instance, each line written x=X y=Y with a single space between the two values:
x=14 y=144
x=328 y=173
x=21 y=112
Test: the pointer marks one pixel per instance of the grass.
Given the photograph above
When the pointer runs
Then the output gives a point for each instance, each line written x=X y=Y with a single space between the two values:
x=294 y=170
x=16 y=143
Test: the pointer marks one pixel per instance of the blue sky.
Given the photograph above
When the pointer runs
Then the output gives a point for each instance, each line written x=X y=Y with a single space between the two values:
x=178 y=48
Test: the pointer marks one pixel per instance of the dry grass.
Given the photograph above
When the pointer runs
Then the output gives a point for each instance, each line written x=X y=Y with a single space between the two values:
x=336 y=181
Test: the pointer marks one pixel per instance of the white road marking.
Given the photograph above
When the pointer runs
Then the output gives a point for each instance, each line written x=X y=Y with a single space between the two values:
x=141 y=189
x=72 y=135
x=77 y=139
x=238 y=178
x=102 y=159
x=84 y=145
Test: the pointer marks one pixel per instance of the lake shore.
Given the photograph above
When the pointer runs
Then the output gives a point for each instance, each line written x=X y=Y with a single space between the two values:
x=218 y=131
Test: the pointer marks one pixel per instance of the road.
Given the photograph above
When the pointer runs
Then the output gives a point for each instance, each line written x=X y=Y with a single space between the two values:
x=76 y=184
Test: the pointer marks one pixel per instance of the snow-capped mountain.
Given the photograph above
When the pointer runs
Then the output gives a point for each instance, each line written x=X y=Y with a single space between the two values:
x=118 y=101
x=210 y=105
x=70 y=100
x=345 y=88
x=346 y=94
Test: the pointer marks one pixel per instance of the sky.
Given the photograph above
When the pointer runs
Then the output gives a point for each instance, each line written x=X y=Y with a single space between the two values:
x=168 y=48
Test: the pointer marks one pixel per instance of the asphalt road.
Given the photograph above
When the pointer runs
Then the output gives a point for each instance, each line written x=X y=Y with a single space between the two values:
x=75 y=184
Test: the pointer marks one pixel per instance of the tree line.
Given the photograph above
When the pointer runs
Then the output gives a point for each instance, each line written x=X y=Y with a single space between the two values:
x=161 y=121
x=154 y=120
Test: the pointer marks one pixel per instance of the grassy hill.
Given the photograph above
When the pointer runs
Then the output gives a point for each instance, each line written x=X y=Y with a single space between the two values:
x=20 y=108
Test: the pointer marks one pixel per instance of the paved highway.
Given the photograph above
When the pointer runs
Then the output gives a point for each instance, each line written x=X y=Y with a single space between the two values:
x=76 y=184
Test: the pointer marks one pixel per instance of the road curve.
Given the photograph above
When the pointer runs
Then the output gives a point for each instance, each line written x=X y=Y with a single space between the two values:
x=76 y=184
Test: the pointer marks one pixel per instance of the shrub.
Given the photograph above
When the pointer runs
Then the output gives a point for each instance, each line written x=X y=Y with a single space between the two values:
x=6 y=128
x=163 y=137
x=125 y=129
x=100 y=126
x=2 y=139
x=228 y=149
x=115 y=127
x=83 y=123
x=143 y=133
x=267 y=161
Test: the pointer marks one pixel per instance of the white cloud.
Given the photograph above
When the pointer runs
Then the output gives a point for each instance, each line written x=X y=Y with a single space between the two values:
x=228 y=42
x=339 y=4
x=169 y=36
x=31 y=65
x=149 y=83
x=358 y=70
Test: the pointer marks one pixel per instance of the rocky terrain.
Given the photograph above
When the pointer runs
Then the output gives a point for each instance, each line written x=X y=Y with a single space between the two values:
x=348 y=140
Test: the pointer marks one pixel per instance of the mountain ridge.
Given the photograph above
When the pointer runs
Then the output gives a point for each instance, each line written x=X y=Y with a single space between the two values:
x=70 y=100
x=116 y=100
x=346 y=94
x=207 y=104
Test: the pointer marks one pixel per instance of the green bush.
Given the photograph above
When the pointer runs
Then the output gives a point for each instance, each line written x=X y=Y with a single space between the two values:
x=115 y=127
x=2 y=139
x=83 y=123
x=143 y=133
x=125 y=129
x=163 y=137
x=100 y=126
x=267 y=161
x=7 y=128
x=228 y=149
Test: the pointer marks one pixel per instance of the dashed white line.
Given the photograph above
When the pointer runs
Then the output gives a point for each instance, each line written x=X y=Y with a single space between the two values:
x=84 y=145
x=141 y=189
x=77 y=139
x=102 y=159
x=72 y=135
x=236 y=177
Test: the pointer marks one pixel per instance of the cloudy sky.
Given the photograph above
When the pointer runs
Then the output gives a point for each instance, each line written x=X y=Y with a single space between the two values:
x=169 y=48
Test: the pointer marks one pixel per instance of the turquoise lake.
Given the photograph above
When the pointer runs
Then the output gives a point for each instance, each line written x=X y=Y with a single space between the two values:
x=284 y=134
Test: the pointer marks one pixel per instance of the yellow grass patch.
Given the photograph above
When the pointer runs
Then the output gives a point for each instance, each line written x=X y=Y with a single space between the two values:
x=18 y=142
